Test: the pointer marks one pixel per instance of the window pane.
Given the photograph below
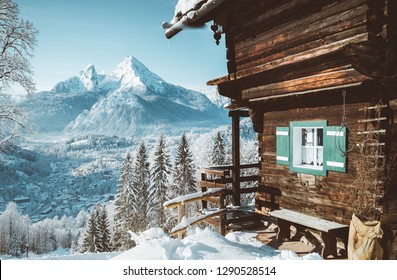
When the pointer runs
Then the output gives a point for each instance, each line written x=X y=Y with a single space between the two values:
x=320 y=137
x=320 y=156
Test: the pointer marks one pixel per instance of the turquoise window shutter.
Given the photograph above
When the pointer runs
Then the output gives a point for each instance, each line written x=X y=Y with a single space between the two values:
x=282 y=145
x=334 y=148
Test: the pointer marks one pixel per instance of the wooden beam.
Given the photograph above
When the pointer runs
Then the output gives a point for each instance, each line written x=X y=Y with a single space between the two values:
x=180 y=230
x=241 y=113
x=217 y=171
x=325 y=80
x=210 y=184
x=315 y=26
x=236 y=157
x=290 y=60
x=192 y=197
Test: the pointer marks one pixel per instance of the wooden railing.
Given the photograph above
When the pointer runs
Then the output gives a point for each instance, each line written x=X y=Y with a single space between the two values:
x=220 y=177
x=184 y=222
x=216 y=184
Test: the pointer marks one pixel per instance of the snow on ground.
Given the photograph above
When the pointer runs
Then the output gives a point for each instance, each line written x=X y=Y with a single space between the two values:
x=199 y=244
x=64 y=254
x=204 y=244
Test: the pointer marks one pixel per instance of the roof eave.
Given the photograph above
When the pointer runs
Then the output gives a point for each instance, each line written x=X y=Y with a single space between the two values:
x=192 y=18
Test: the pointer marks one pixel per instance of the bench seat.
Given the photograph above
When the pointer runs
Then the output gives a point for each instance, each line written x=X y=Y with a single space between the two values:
x=328 y=229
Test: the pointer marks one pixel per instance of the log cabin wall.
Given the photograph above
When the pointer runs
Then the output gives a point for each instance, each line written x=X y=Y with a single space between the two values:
x=334 y=196
x=278 y=47
x=390 y=198
x=288 y=60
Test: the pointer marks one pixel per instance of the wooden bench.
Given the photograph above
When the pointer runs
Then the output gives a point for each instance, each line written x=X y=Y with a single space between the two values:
x=328 y=230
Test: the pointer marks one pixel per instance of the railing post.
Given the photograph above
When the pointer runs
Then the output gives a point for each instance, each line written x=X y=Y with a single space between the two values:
x=203 y=189
x=181 y=214
x=222 y=217
x=236 y=156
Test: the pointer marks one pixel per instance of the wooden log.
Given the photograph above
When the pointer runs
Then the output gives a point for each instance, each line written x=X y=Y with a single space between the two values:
x=217 y=171
x=210 y=184
x=192 y=198
x=322 y=50
x=181 y=214
x=236 y=157
x=320 y=81
x=181 y=230
x=301 y=16
x=313 y=36
x=287 y=49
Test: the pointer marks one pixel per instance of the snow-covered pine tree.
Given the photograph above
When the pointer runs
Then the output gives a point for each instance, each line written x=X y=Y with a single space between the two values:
x=218 y=156
x=140 y=189
x=183 y=176
x=91 y=233
x=184 y=180
x=159 y=184
x=103 y=243
x=123 y=214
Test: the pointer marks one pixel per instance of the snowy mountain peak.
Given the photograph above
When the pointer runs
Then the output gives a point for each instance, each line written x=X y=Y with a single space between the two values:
x=134 y=74
x=89 y=78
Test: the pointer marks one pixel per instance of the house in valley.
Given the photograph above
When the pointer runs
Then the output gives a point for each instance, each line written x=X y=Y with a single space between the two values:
x=319 y=81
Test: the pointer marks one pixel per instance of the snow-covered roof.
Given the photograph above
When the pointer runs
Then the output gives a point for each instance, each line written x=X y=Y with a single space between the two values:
x=190 y=13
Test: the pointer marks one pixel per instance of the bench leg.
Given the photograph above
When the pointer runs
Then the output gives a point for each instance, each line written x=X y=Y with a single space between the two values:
x=284 y=231
x=329 y=248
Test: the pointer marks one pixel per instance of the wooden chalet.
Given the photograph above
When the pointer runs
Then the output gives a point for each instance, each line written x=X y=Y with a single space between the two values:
x=319 y=80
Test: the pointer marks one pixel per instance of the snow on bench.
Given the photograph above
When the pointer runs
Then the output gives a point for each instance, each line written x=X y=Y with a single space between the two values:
x=306 y=220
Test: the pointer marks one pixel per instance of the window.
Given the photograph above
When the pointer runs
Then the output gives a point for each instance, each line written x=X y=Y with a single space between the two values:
x=311 y=147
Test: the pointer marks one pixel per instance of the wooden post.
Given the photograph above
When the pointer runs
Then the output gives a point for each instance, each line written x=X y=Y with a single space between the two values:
x=181 y=214
x=329 y=247
x=236 y=156
x=204 y=189
x=222 y=217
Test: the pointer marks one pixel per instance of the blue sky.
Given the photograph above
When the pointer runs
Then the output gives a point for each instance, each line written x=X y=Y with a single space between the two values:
x=76 y=33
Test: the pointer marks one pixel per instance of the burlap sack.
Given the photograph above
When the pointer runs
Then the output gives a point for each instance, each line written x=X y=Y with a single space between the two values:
x=364 y=240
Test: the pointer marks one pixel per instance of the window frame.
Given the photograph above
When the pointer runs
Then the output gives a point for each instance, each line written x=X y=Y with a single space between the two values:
x=315 y=170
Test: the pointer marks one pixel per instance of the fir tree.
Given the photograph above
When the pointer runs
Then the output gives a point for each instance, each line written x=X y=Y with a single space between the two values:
x=103 y=243
x=184 y=180
x=89 y=241
x=157 y=192
x=218 y=151
x=140 y=189
x=123 y=217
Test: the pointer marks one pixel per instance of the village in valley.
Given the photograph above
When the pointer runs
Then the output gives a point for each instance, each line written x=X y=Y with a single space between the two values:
x=290 y=153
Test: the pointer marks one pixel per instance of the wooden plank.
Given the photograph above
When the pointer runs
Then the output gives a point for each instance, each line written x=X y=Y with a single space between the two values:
x=193 y=197
x=293 y=36
x=249 y=178
x=182 y=228
x=379 y=131
x=328 y=49
x=309 y=54
x=217 y=171
x=288 y=48
x=328 y=14
x=320 y=81
x=236 y=157
x=372 y=120
x=306 y=220
x=210 y=184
